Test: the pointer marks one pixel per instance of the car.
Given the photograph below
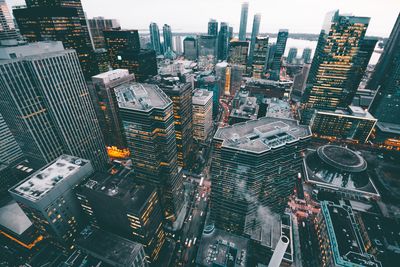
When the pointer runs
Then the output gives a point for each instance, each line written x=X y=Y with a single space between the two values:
x=194 y=241
x=201 y=214
x=186 y=241
x=203 y=195
x=190 y=218
x=190 y=243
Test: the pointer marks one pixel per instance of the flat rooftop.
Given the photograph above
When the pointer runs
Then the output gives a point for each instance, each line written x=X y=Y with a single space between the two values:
x=351 y=111
x=13 y=218
x=278 y=108
x=262 y=135
x=389 y=127
x=30 y=49
x=141 y=97
x=247 y=107
x=111 y=75
x=201 y=96
x=37 y=185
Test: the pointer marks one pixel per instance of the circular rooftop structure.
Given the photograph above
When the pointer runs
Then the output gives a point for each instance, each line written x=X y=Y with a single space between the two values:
x=342 y=158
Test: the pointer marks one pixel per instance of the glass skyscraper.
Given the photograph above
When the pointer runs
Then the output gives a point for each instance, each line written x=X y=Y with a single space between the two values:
x=243 y=21
x=99 y=24
x=223 y=41
x=213 y=27
x=167 y=35
x=155 y=38
x=260 y=57
x=278 y=54
x=254 y=34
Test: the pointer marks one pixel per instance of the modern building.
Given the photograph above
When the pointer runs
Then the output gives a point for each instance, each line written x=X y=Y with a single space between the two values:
x=255 y=165
x=58 y=117
x=223 y=41
x=280 y=46
x=110 y=249
x=118 y=41
x=353 y=123
x=202 y=114
x=104 y=85
x=190 y=47
x=277 y=108
x=260 y=55
x=212 y=27
x=147 y=117
x=243 y=21
x=332 y=83
x=254 y=34
x=47 y=197
x=117 y=204
x=292 y=55
x=58 y=21
x=299 y=83
x=339 y=237
x=102 y=60
x=178 y=45
x=341 y=171
x=99 y=24
x=167 y=35
x=385 y=79
x=244 y=108
x=10 y=151
x=306 y=56
x=155 y=38
x=8 y=32
x=207 y=46
x=238 y=51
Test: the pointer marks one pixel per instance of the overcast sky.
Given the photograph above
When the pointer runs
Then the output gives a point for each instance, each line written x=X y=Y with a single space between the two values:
x=300 y=16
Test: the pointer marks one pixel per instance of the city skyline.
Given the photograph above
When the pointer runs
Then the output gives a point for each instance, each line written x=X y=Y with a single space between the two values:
x=302 y=16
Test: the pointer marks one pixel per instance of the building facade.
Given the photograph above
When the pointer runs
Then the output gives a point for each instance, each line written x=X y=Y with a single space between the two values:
x=238 y=52
x=212 y=27
x=190 y=48
x=260 y=56
x=280 y=46
x=99 y=24
x=243 y=21
x=167 y=35
x=254 y=34
x=223 y=41
x=155 y=38
x=202 y=114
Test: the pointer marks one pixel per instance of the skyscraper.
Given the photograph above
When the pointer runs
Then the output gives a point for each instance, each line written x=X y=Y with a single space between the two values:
x=330 y=83
x=9 y=149
x=243 y=21
x=190 y=47
x=255 y=165
x=167 y=35
x=278 y=53
x=202 y=114
x=178 y=44
x=307 y=55
x=61 y=20
x=254 y=34
x=223 y=41
x=260 y=57
x=58 y=116
x=7 y=28
x=292 y=55
x=230 y=33
x=155 y=38
x=99 y=24
x=213 y=27
x=147 y=118
x=238 y=51
x=386 y=79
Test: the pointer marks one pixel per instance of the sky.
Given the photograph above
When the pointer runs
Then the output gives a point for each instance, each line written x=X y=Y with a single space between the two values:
x=299 y=16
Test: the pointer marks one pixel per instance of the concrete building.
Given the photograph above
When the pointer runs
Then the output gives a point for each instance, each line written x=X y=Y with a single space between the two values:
x=260 y=57
x=190 y=48
x=47 y=197
x=202 y=114
x=8 y=32
x=238 y=52
x=244 y=108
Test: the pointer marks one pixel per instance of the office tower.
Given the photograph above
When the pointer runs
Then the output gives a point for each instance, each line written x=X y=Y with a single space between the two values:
x=63 y=21
x=116 y=204
x=386 y=79
x=8 y=32
x=254 y=166
x=124 y=51
x=47 y=197
x=306 y=56
x=212 y=27
x=147 y=119
x=202 y=114
x=167 y=35
x=207 y=46
x=331 y=84
x=292 y=55
x=178 y=44
x=230 y=33
x=190 y=48
x=238 y=51
x=260 y=57
x=181 y=95
x=104 y=84
x=223 y=41
x=102 y=60
x=99 y=24
x=110 y=249
x=10 y=151
x=271 y=52
x=58 y=117
x=278 y=54
x=155 y=38
x=243 y=21
x=299 y=82
x=254 y=34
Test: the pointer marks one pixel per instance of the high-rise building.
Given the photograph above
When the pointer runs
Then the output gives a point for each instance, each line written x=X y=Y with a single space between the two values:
x=101 y=60
x=255 y=165
x=99 y=24
x=58 y=117
x=292 y=55
x=118 y=41
x=167 y=35
x=61 y=20
x=243 y=21
x=254 y=34
x=155 y=38
x=47 y=197
x=244 y=107
x=260 y=57
x=202 y=114
x=207 y=46
x=238 y=51
x=104 y=84
x=223 y=41
x=147 y=117
x=278 y=54
x=116 y=204
x=212 y=27
x=331 y=83
x=181 y=96
x=10 y=151
x=230 y=33
x=299 y=82
x=386 y=79
x=306 y=56
x=271 y=52
x=178 y=44
x=8 y=32
x=190 y=47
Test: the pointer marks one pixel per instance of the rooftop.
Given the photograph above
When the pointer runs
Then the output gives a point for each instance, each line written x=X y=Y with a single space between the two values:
x=245 y=106
x=342 y=158
x=111 y=76
x=13 y=218
x=389 y=127
x=30 y=49
x=142 y=97
x=262 y=135
x=35 y=186
x=351 y=111
x=278 y=108
x=201 y=96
